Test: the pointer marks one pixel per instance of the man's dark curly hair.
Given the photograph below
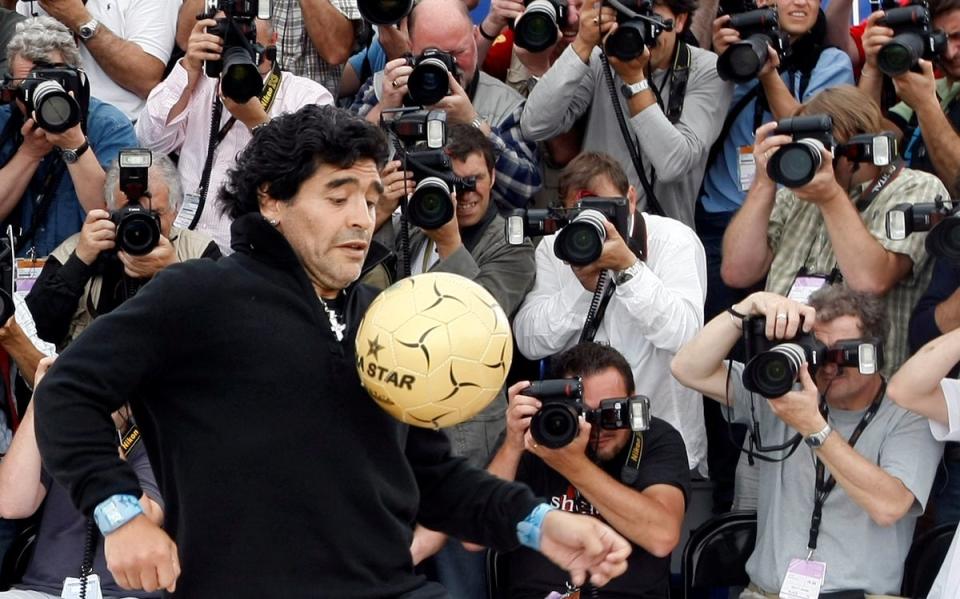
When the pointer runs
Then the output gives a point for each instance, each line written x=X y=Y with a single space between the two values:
x=289 y=150
x=589 y=358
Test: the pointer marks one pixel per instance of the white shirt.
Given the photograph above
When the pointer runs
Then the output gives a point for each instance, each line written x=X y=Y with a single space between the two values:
x=150 y=24
x=947 y=584
x=647 y=320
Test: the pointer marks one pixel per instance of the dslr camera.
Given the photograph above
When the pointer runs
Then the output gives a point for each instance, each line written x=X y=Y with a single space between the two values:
x=536 y=28
x=384 y=12
x=914 y=38
x=424 y=137
x=796 y=163
x=429 y=81
x=878 y=149
x=938 y=217
x=637 y=26
x=138 y=227
x=773 y=367
x=241 y=54
x=45 y=93
x=582 y=233
x=557 y=422
x=758 y=28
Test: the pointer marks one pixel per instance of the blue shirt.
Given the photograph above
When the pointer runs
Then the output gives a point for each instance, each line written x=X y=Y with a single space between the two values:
x=108 y=131
x=721 y=186
x=375 y=55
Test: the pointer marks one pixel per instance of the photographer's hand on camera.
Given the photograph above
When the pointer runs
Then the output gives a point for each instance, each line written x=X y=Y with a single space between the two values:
x=458 y=106
x=35 y=143
x=201 y=46
x=566 y=460
x=394 y=88
x=631 y=71
x=596 y=21
x=520 y=410
x=501 y=14
x=783 y=315
x=723 y=36
x=918 y=90
x=397 y=184
x=250 y=113
x=800 y=410
x=616 y=256
x=98 y=234
x=147 y=265
x=447 y=236
x=764 y=145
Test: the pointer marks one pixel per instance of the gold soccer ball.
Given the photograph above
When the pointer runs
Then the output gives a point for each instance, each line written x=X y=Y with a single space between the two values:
x=434 y=349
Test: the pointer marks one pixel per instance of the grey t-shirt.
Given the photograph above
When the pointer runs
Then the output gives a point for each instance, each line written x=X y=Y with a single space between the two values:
x=859 y=553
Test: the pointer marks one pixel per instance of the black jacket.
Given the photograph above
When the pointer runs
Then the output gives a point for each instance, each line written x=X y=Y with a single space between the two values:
x=280 y=475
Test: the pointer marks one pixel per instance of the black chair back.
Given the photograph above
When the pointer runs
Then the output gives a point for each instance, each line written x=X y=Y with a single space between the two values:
x=717 y=551
x=924 y=559
x=18 y=556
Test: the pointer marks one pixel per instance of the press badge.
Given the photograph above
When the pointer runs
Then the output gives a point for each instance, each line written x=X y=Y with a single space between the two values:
x=188 y=211
x=803 y=580
x=26 y=274
x=746 y=167
x=805 y=285
x=71 y=588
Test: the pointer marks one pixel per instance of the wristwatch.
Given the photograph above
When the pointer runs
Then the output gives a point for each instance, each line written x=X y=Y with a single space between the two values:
x=115 y=511
x=478 y=122
x=71 y=156
x=818 y=439
x=88 y=30
x=628 y=273
x=629 y=90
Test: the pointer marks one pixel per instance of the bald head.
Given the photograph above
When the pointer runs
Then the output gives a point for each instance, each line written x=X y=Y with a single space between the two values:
x=448 y=14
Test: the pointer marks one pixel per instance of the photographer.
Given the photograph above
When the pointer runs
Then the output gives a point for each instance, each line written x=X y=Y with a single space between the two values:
x=49 y=181
x=669 y=96
x=929 y=114
x=921 y=385
x=834 y=226
x=655 y=306
x=177 y=118
x=472 y=244
x=87 y=276
x=644 y=500
x=880 y=457
x=475 y=98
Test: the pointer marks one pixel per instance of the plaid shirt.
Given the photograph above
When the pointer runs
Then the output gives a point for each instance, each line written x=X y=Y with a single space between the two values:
x=295 y=50
x=517 y=168
x=798 y=236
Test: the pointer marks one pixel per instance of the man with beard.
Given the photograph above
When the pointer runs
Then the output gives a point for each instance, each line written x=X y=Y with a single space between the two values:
x=636 y=482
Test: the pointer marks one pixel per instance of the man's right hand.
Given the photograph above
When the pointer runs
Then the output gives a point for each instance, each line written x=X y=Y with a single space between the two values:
x=875 y=35
x=723 y=36
x=35 y=143
x=520 y=408
x=783 y=315
x=98 y=234
x=501 y=14
x=202 y=46
x=596 y=21
x=140 y=555
x=394 y=88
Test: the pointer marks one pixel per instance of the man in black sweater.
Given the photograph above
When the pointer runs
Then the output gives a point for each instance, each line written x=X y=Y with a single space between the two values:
x=281 y=476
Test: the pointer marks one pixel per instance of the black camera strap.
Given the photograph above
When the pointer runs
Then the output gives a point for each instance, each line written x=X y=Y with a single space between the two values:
x=42 y=201
x=824 y=487
x=882 y=180
x=267 y=97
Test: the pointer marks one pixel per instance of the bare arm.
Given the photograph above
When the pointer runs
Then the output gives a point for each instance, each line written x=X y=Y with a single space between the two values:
x=916 y=386
x=781 y=101
x=942 y=141
x=186 y=19
x=21 y=491
x=746 y=251
x=330 y=31
x=87 y=174
x=947 y=312
x=839 y=13
x=21 y=349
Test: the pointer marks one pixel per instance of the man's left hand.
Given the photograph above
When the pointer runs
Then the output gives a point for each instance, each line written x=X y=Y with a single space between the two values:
x=917 y=88
x=250 y=113
x=144 y=267
x=823 y=187
x=800 y=410
x=457 y=105
x=631 y=71
x=584 y=545
x=71 y=13
x=447 y=235
x=70 y=139
x=566 y=459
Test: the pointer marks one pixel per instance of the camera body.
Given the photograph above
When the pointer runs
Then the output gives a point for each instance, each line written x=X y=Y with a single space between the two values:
x=796 y=163
x=773 y=367
x=138 y=227
x=939 y=217
x=914 y=38
x=557 y=422
x=424 y=136
x=535 y=29
x=429 y=82
x=581 y=230
x=637 y=27
x=758 y=27
x=45 y=92
x=240 y=58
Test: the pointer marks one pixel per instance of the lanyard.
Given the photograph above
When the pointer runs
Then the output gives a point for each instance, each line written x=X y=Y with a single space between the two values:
x=823 y=488
x=888 y=175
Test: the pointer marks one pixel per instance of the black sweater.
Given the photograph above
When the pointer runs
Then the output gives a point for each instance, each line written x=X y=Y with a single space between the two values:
x=281 y=476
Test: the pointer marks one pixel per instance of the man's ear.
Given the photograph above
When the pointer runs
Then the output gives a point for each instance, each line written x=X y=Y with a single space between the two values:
x=632 y=199
x=680 y=22
x=269 y=206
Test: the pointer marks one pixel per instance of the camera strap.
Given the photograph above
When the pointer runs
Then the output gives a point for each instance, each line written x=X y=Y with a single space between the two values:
x=267 y=97
x=42 y=201
x=631 y=466
x=824 y=487
x=882 y=180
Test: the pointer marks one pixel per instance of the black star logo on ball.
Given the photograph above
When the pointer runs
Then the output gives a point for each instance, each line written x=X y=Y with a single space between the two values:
x=374 y=347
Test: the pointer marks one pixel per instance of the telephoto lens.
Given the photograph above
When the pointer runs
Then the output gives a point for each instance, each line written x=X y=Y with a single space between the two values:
x=556 y=424
x=55 y=110
x=138 y=229
x=430 y=206
x=241 y=78
x=943 y=240
x=773 y=373
x=536 y=28
x=581 y=242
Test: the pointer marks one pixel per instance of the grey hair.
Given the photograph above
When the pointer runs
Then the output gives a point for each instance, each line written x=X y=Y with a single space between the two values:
x=36 y=38
x=162 y=170
x=833 y=301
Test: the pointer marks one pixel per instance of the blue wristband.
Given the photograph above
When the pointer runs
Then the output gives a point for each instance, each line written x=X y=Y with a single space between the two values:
x=529 y=529
x=115 y=511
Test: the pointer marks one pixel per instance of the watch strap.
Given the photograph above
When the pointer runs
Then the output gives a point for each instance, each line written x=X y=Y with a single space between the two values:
x=629 y=90
x=628 y=273
x=819 y=438
x=115 y=511
x=88 y=29
x=72 y=155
